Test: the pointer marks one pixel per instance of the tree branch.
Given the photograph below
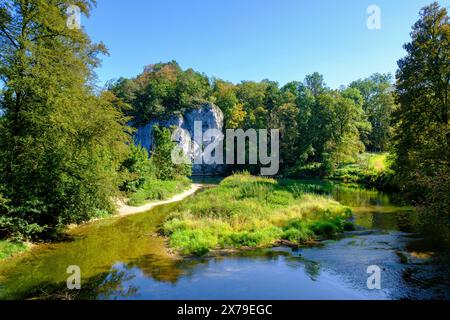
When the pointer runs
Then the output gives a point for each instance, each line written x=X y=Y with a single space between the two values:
x=8 y=36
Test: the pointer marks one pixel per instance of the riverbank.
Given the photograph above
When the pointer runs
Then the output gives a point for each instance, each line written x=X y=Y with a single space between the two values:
x=10 y=249
x=125 y=210
x=372 y=170
x=122 y=258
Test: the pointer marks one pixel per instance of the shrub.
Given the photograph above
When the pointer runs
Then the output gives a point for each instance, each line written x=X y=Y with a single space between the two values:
x=372 y=170
x=138 y=168
x=193 y=241
x=297 y=231
x=349 y=226
x=8 y=248
x=296 y=235
x=325 y=229
x=302 y=171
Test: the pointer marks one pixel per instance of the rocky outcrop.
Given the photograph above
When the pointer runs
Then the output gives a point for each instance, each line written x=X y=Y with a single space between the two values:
x=210 y=116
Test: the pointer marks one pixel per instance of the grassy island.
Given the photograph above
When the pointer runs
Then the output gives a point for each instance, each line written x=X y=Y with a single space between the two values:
x=247 y=211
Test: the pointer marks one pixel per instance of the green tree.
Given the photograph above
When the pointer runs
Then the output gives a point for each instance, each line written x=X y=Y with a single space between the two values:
x=161 y=156
x=161 y=91
x=315 y=83
x=329 y=124
x=347 y=121
x=60 y=143
x=138 y=168
x=284 y=118
x=379 y=104
x=252 y=95
x=422 y=119
x=224 y=96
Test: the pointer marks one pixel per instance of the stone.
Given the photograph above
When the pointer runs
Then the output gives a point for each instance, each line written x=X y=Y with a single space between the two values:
x=211 y=117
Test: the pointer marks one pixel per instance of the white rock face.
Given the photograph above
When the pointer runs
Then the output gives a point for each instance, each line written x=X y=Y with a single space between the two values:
x=209 y=115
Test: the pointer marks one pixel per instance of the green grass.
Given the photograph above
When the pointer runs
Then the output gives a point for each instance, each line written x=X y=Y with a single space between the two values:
x=377 y=162
x=247 y=211
x=8 y=249
x=372 y=169
x=154 y=190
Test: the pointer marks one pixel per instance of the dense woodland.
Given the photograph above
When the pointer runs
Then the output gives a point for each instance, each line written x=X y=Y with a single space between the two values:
x=320 y=127
x=65 y=145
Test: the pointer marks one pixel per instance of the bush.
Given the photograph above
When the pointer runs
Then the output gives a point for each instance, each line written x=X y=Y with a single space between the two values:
x=311 y=170
x=372 y=170
x=297 y=231
x=326 y=229
x=193 y=241
x=253 y=238
x=349 y=226
x=8 y=248
x=19 y=229
x=155 y=178
x=138 y=168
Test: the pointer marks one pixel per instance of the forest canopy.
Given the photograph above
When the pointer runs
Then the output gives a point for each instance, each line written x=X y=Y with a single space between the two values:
x=320 y=127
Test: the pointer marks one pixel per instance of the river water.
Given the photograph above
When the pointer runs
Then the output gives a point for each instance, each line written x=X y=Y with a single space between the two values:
x=123 y=258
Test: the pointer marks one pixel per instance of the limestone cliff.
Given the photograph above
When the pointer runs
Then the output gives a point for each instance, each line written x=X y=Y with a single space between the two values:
x=209 y=115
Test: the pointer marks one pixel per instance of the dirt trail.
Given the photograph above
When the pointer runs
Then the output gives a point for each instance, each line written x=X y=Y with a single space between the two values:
x=125 y=210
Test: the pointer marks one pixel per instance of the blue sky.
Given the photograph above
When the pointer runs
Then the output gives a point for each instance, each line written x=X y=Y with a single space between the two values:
x=235 y=40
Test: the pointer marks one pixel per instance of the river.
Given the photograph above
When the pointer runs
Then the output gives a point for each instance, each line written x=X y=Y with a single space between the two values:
x=123 y=258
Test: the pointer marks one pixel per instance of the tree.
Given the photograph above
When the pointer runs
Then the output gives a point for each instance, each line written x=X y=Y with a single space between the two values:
x=161 y=91
x=236 y=117
x=329 y=123
x=379 y=103
x=348 y=120
x=138 y=168
x=315 y=83
x=161 y=156
x=61 y=144
x=284 y=118
x=224 y=96
x=422 y=118
x=253 y=97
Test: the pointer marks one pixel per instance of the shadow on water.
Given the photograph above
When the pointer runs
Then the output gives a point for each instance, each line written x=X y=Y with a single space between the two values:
x=122 y=258
x=95 y=248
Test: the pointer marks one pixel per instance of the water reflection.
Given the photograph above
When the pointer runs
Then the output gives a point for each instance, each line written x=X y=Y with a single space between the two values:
x=259 y=275
x=123 y=259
